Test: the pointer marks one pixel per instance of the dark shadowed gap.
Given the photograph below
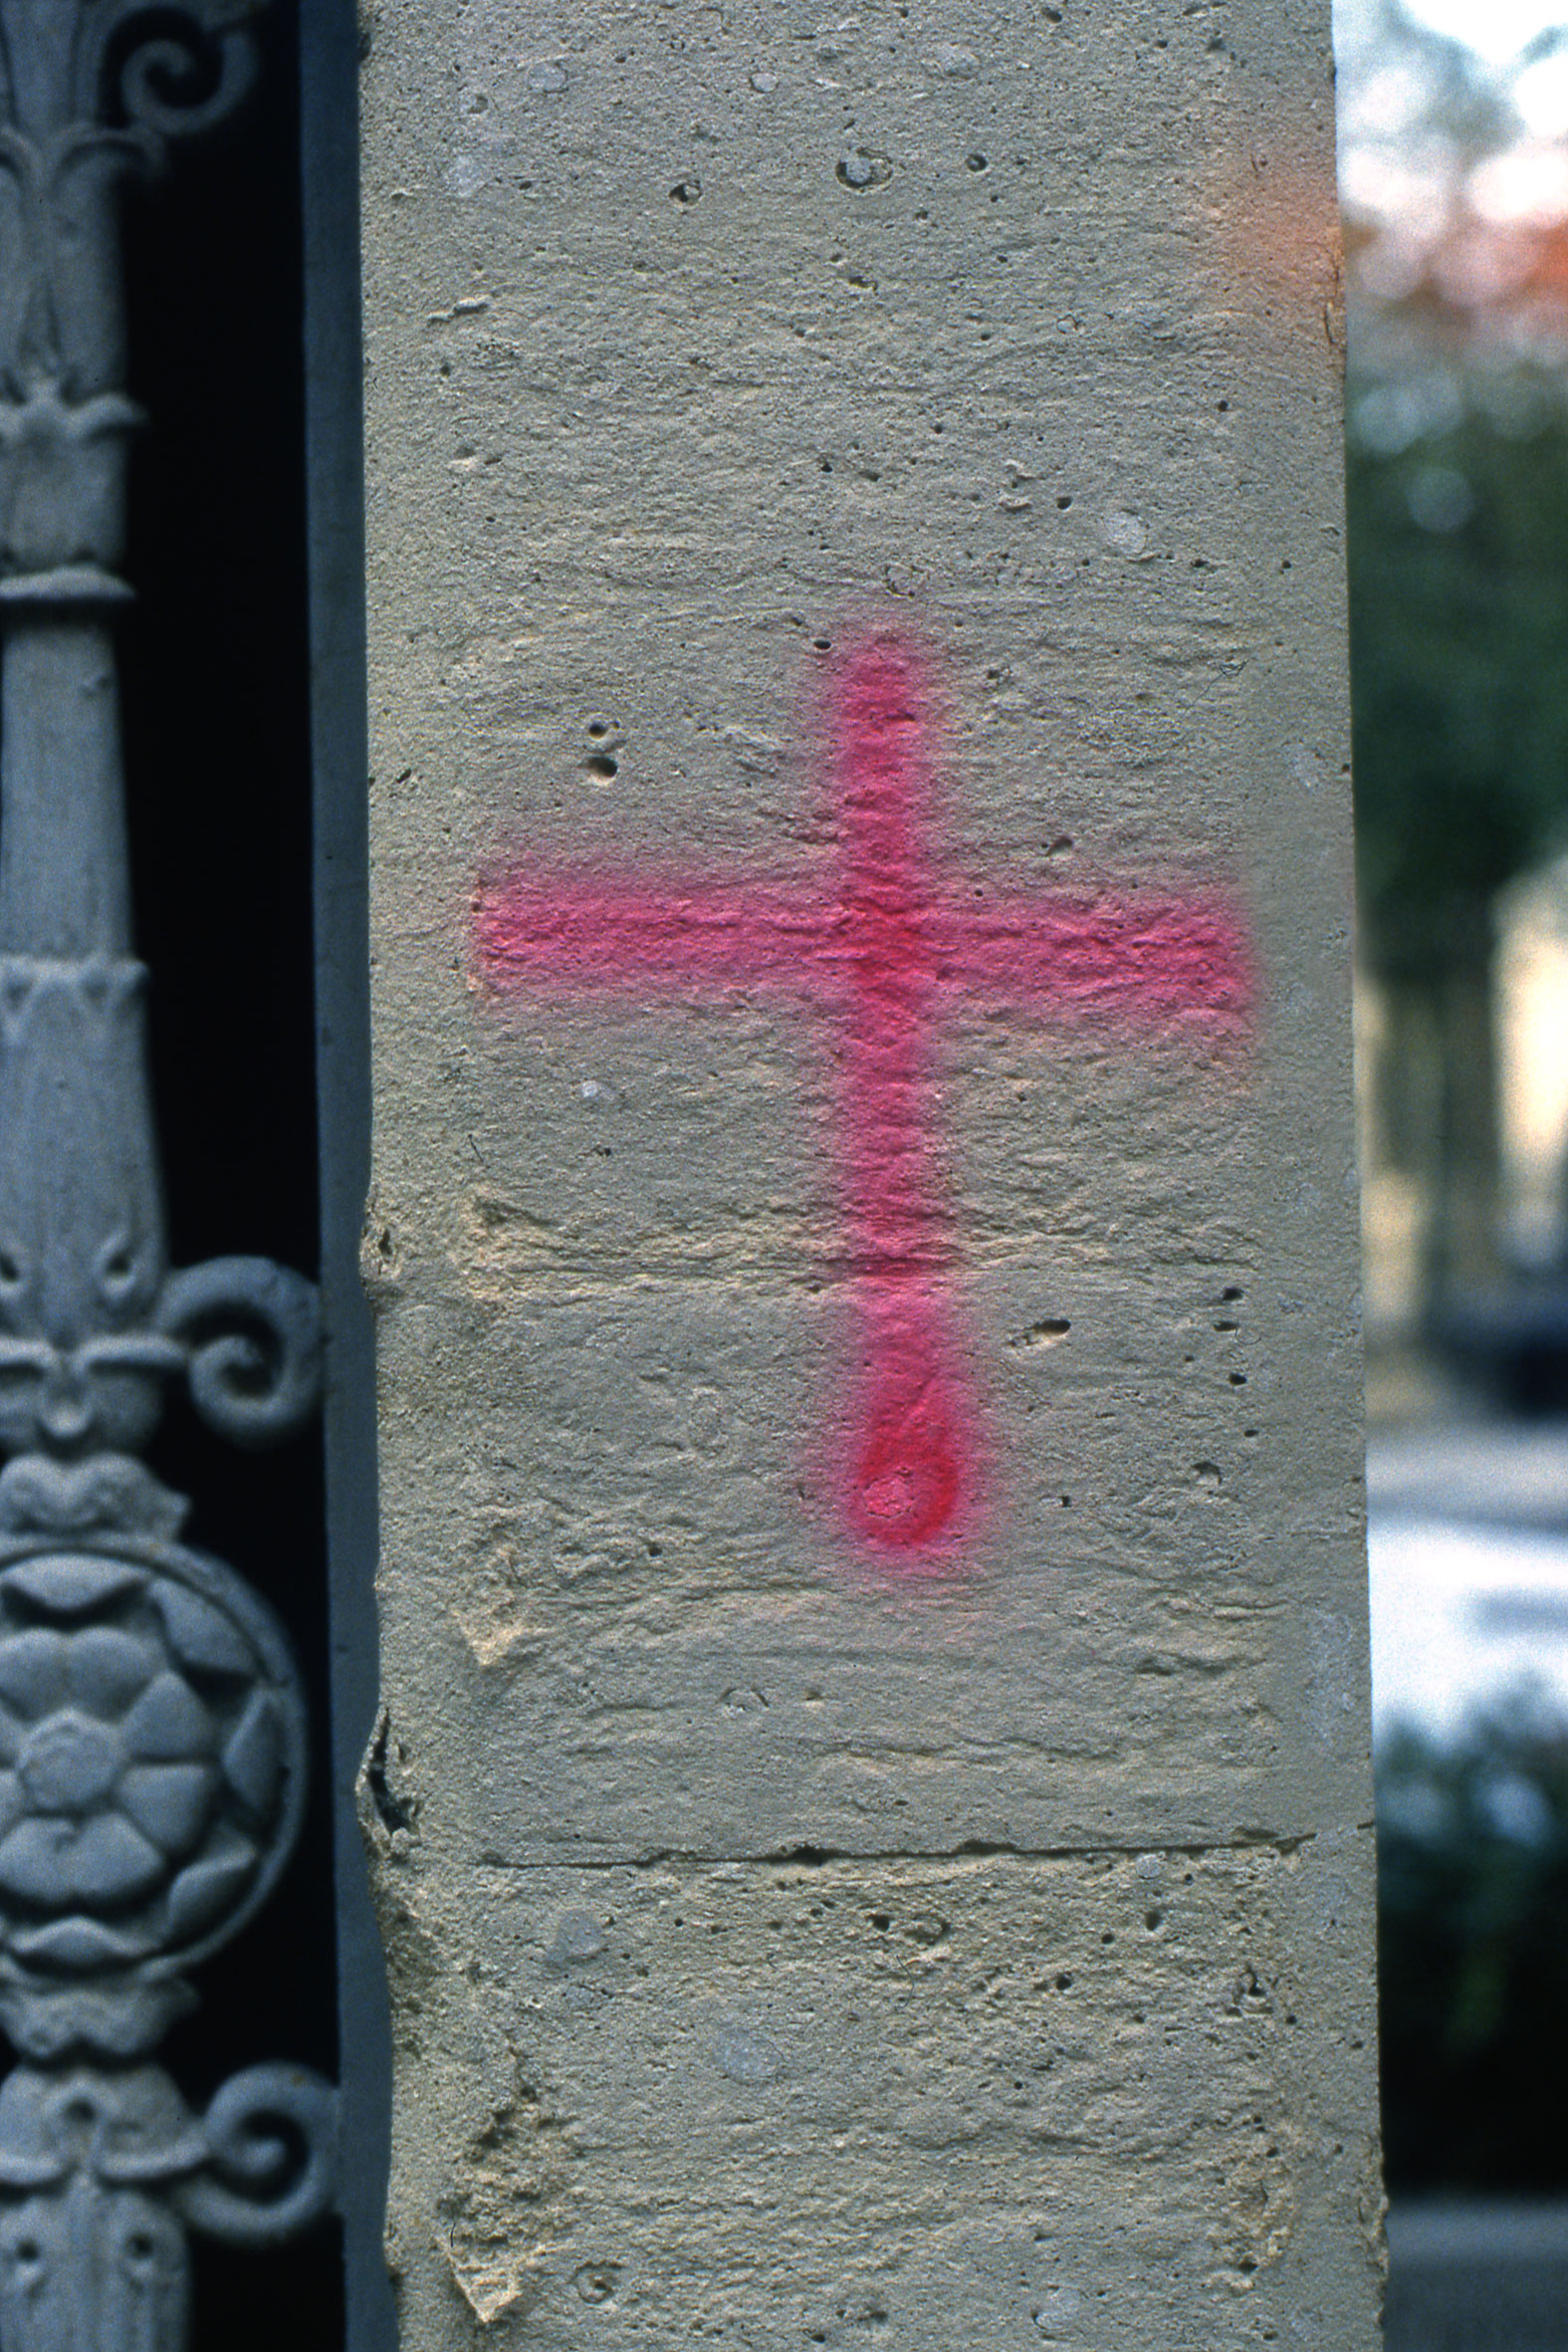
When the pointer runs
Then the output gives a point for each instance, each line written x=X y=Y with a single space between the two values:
x=235 y=777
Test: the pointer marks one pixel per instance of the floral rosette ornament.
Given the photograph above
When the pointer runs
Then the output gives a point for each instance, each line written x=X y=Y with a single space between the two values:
x=152 y=1779
x=151 y=1750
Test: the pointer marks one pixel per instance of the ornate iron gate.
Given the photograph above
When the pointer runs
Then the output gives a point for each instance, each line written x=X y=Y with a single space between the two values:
x=151 y=1725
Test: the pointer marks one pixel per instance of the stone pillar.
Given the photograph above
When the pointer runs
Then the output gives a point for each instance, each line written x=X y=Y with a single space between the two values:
x=872 y=1802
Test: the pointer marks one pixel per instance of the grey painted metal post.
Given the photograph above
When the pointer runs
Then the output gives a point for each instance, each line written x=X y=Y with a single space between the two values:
x=151 y=1727
x=334 y=470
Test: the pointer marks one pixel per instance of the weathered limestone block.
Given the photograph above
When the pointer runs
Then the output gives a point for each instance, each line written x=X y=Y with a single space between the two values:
x=873 y=1801
x=1106 y=2099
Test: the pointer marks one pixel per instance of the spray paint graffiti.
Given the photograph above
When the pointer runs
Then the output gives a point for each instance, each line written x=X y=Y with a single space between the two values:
x=880 y=946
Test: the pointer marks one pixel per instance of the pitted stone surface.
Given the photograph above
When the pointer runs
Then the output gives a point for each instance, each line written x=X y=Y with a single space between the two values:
x=635 y=466
x=703 y=347
x=997 y=2100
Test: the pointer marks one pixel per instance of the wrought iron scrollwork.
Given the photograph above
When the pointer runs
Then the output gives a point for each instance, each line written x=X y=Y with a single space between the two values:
x=151 y=1726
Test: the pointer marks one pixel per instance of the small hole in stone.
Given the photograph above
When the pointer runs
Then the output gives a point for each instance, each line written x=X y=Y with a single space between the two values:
x=1063 y=1983
x=1064 y=501
x=687 y=191
x=601 y=764
x=1152 y=1919
x=1238 y=1379
x=976 y=162
x=598 y=729
x=863 y=169
x=881 y=1921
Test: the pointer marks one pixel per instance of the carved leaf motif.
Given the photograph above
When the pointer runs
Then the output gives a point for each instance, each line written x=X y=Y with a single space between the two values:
x=144 y=2272
x=68 y=1584
x=107 y=1669
x=33 y=1671
x=78 y=1943
x=200 y=1635
x=169 y=1802
x=107 y=1861
x=207 y=1888
x=53 y=1861
x=254 y=1754
x=168 y=1723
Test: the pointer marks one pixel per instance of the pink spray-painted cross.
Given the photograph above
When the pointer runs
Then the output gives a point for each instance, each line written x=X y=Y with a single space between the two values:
x=879 y=946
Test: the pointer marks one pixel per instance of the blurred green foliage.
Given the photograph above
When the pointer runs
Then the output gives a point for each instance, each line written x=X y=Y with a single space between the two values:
x=1459 y=634
x=1472 y=1955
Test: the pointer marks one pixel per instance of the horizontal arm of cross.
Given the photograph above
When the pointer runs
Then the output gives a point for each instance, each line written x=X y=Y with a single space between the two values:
x=1138 y=951
x=1141 y=952
x=594 y=934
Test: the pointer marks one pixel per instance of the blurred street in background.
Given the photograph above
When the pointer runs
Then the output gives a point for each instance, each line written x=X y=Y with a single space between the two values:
x=1454 y=185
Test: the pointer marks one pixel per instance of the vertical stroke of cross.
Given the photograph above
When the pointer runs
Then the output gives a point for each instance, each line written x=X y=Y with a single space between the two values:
x=879 y=947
